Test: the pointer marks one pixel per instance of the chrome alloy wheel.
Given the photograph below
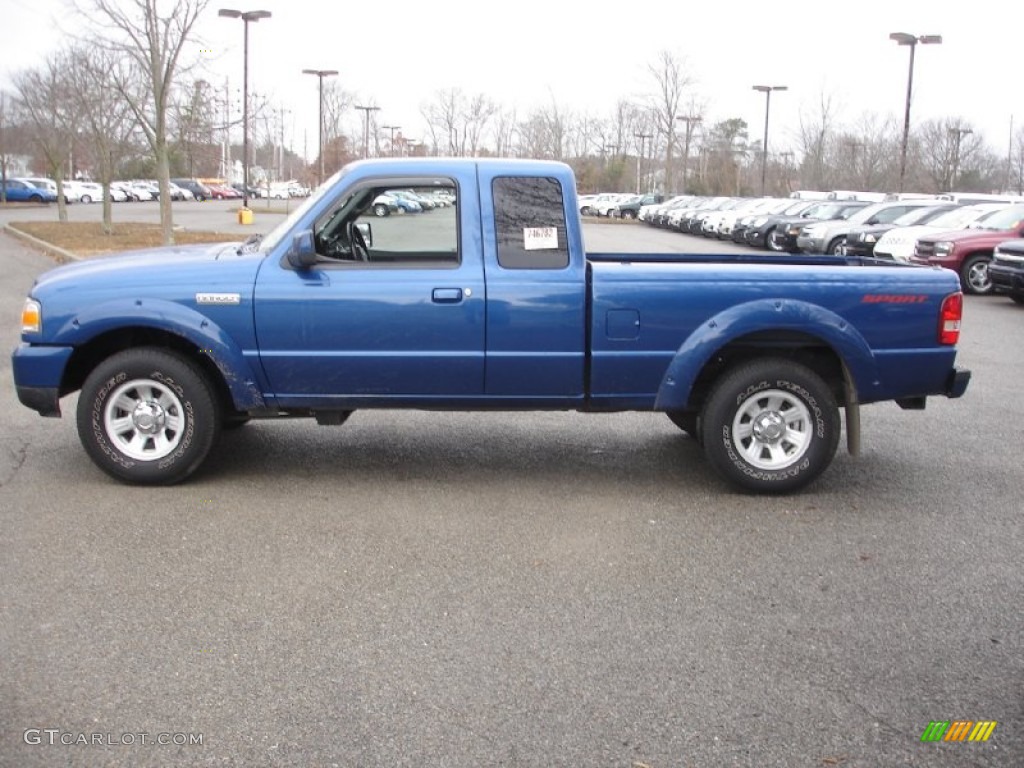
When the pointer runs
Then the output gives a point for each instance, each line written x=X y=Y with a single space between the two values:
x=772 y=429
x=144 y=419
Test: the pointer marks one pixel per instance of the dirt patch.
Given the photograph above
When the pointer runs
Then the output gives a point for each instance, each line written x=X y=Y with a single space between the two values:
x=85 y=238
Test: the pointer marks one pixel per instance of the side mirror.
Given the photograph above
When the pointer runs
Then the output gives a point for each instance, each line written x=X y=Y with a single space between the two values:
x=366 y=231
x=302 y=253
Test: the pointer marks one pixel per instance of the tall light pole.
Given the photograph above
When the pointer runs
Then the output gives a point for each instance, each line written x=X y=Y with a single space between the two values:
x=639 y=158
x=957 y=133
x=366 y=128
x=903 y=38
x=246 y=17
x=689 y=120
x=321 y=74
x=392 y=128
x=767 y=91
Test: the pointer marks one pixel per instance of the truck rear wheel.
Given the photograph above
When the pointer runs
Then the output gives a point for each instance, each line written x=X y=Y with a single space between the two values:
x=147 y=416
x=770 y=426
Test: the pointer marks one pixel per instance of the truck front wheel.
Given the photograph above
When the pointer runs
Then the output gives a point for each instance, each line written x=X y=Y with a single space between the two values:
x=147 y=416
x=770 y=426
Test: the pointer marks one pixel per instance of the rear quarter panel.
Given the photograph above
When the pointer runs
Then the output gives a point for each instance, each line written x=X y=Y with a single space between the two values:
x=653 y=322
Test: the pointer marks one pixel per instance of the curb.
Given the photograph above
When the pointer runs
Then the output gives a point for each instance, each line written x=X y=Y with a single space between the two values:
x=62 y=256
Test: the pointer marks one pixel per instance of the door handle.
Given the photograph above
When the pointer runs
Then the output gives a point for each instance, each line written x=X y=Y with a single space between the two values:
x=447 y=295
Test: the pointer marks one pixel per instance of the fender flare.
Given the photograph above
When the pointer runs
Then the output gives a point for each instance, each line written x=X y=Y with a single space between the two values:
x=176 y=319
x=757 y=316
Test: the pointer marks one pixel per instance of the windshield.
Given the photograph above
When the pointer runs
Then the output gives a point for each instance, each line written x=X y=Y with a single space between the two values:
x=1008 y=219
x=919 y=216
x=271 y=240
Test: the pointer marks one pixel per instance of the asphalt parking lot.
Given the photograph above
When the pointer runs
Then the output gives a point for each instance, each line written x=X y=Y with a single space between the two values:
x=435 y=589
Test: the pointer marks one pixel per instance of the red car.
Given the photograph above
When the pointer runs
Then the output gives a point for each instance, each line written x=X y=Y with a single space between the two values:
x=221 y=192
x=969 y=251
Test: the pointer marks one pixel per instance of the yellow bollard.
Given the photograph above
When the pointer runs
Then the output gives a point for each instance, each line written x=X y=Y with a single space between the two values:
x=245 y=216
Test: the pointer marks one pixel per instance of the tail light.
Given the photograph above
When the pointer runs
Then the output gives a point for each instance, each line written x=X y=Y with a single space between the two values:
x=949 y=318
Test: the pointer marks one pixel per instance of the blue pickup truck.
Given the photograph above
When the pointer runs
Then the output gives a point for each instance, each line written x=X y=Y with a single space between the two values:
x=489 y=303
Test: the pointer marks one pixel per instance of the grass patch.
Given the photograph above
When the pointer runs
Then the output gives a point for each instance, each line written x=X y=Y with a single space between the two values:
x=86 y=238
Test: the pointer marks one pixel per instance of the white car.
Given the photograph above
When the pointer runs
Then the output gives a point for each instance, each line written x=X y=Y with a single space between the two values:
x=899 y=243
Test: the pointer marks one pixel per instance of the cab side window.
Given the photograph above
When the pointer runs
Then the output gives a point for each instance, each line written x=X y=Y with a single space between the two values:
x=529 y=222
x=412 y=225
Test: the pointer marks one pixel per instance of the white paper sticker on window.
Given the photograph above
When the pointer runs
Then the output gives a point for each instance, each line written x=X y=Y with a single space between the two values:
x=540 y=238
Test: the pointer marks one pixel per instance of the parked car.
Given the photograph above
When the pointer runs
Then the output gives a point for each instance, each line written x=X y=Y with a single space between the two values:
x=898 y=243
x=405 y=203
x=20 y=191
x=755 y=229
x=88 y=192
x=1007 y=270
x=829 y=236
x=861 y=241
x=70 y=196
x=384 y=205
x=199 y=190
x=969 y=251
x=788 y=230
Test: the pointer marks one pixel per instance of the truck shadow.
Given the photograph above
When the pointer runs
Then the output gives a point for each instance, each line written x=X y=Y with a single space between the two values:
x=412 y=445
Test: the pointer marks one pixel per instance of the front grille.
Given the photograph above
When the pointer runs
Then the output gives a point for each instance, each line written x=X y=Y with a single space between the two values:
x=924 y=249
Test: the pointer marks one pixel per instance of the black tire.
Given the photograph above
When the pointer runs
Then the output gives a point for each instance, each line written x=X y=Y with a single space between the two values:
x=380 y=209
x=771 y=243
x=86 y=199
x=835 y=248
x=687 y=421
x=629 y=214
x=35 y=199
x=770 y=426
x=974 y=275
x=175 y=422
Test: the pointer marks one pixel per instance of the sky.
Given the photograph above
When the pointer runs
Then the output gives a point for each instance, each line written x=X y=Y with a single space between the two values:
x=587 y=55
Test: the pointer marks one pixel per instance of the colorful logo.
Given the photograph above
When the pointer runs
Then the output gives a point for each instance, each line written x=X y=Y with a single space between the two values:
x=958 y=730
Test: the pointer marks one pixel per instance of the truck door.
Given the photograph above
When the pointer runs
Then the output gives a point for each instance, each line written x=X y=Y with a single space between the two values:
x=536 y=288
x=397 y=317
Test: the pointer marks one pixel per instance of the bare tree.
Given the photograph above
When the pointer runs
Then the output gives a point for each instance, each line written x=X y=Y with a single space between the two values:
x=153 y=35
x=815 y=132
x=945 y=148
x=338 y=104
x=5 y=148
x=505 y=132
x=45 y=98
x=672 y=78
x=106 y=121
x=1015 y=163
x=442 y=117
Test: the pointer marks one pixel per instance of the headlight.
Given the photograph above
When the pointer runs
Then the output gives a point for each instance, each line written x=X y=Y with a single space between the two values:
x=31 y=317
x=869 y=238
x=943 y=248
x=811 y=231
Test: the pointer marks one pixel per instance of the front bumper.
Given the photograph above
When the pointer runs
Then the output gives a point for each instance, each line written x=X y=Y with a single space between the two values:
x=1006 y=278
x=38 y=372
x=810 y=244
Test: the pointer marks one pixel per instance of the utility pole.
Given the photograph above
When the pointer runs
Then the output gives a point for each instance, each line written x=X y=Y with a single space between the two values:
x=392 y=128
x=639 y=158
x=957 y=133
x=366 y=128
